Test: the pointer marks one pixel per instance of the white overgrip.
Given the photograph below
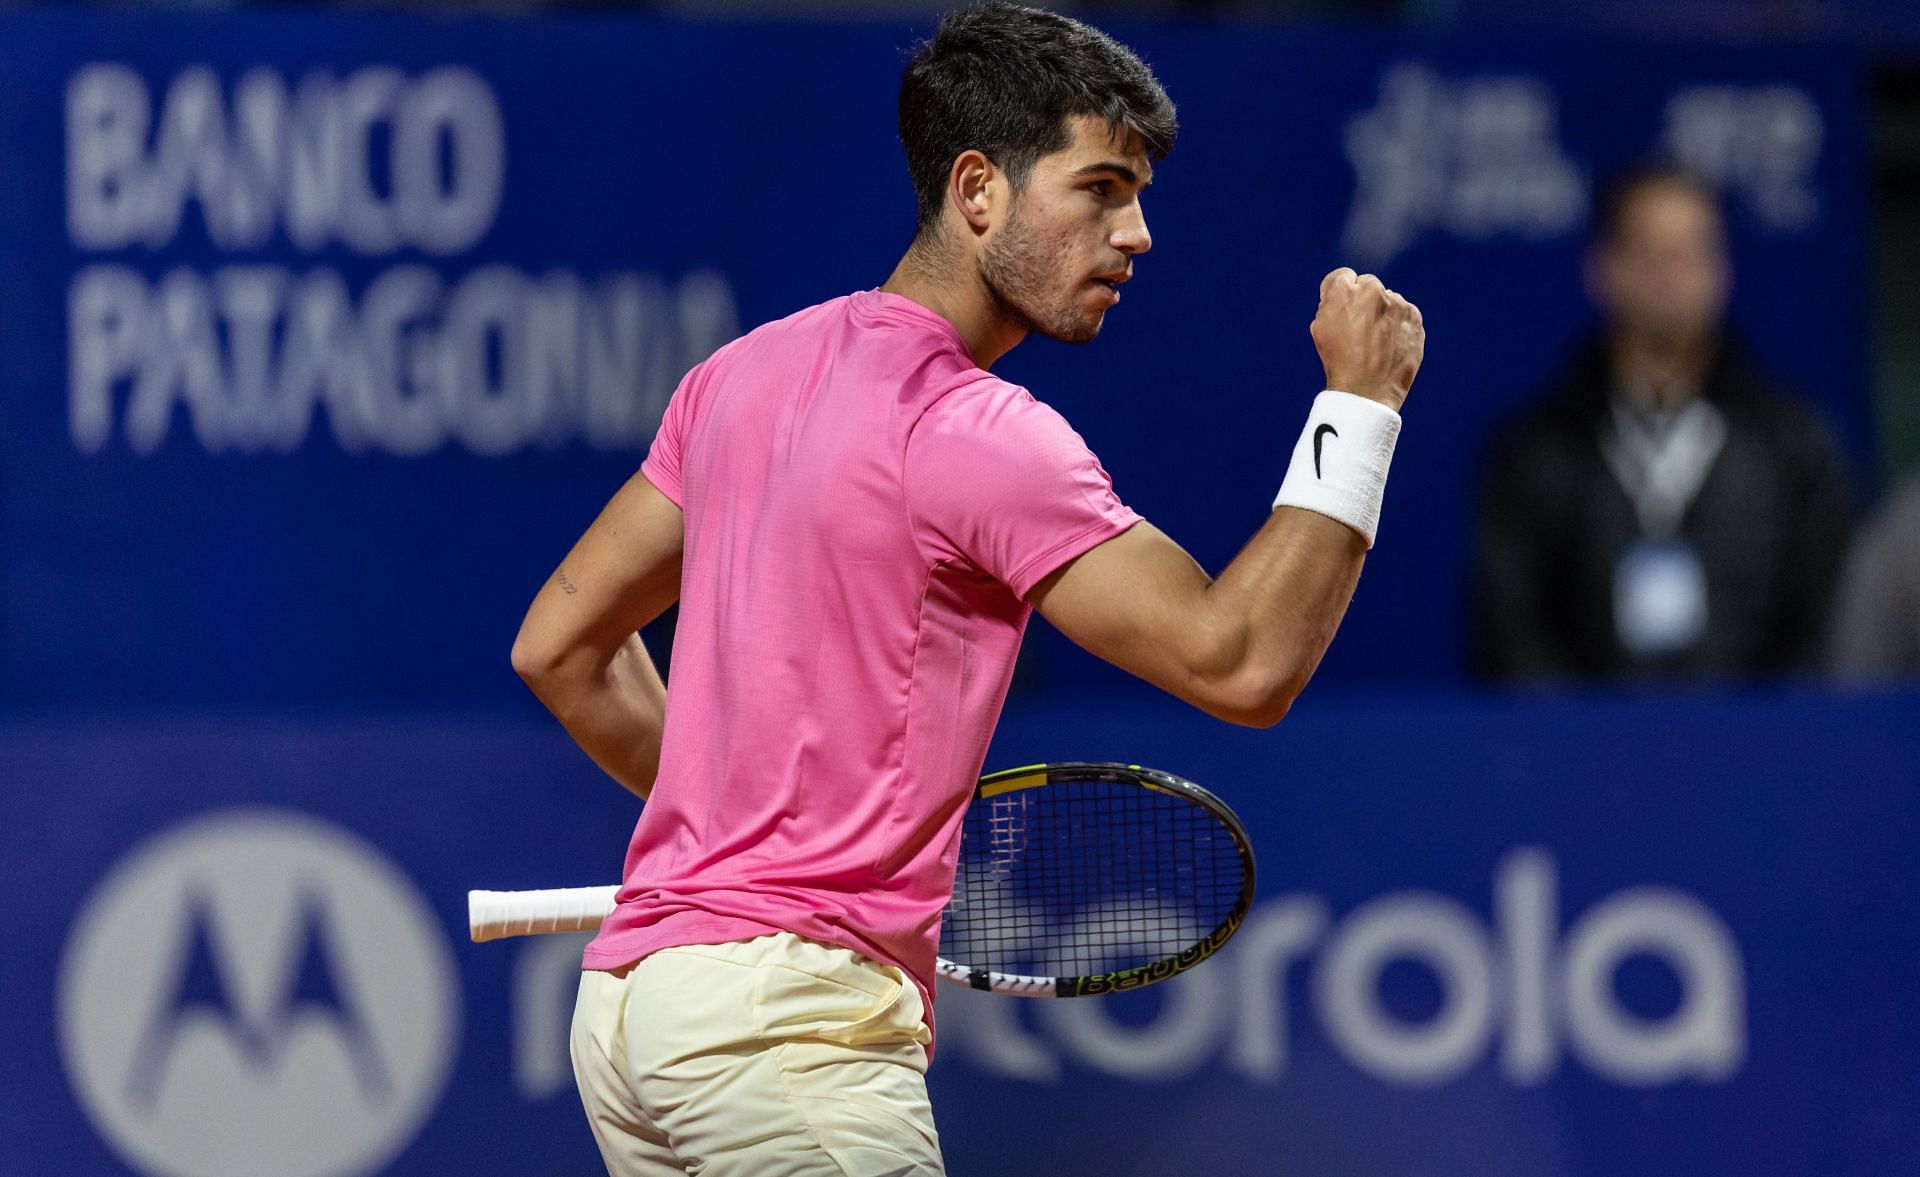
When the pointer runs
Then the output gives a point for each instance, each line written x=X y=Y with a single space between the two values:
x=492 y=915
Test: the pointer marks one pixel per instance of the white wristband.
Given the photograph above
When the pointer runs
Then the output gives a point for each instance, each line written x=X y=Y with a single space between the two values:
x=1339 y=466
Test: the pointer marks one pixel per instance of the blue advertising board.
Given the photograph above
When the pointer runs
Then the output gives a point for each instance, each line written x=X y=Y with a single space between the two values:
x=322 y=335
x=1558 y=938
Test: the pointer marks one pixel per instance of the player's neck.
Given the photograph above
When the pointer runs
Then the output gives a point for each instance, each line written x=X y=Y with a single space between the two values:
x=952 y=288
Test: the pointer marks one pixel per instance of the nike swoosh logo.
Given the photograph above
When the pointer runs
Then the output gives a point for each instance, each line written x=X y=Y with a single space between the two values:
x=1320 y=435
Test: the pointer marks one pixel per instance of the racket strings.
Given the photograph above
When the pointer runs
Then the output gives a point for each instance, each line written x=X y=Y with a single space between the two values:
x=1006 y=835
x=1087 y=877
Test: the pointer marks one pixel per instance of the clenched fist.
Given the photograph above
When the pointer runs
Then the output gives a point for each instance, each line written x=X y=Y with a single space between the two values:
x=1370 y=339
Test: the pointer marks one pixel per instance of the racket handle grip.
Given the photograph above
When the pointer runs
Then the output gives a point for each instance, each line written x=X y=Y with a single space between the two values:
x=492 y=915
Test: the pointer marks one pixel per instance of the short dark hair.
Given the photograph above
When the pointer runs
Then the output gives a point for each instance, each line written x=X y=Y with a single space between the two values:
x=1003 y=80
x=1618 y=190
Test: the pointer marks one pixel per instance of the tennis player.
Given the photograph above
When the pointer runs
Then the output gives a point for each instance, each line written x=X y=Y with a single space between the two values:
x=857 y=519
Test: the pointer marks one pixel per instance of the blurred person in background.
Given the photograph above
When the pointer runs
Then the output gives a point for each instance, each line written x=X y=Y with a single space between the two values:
x=1876 y=625
x=1668 y=511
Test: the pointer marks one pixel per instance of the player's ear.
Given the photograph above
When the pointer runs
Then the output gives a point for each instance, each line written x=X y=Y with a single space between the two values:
x=973 y=189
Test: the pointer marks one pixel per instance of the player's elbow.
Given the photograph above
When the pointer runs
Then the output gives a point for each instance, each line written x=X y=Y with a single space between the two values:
x=1262 y=715
x=1234 y=677
x=540 y=662
x=530 y=662
x=1258 y=687
x=1253 y=700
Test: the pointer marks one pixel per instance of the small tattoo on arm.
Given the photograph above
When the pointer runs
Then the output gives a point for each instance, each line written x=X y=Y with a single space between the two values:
x=566 y=586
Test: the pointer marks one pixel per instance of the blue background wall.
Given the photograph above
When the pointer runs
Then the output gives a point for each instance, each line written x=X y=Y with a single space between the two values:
x=210 y=567
x=260 y=735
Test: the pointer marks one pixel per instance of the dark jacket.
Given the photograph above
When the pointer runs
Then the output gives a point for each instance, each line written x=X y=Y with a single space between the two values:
x=1769 y=525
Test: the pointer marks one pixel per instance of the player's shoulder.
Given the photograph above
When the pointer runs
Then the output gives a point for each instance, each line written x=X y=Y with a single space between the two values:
x=981 y=400
x=993 y=419
x=979 y=389
x=769 y=347
x=807 y=321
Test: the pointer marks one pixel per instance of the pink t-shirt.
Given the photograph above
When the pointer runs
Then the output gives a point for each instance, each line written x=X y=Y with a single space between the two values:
x=866 y=511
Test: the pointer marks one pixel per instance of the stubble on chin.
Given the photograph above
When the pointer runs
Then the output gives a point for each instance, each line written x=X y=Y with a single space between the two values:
x=1015 y=268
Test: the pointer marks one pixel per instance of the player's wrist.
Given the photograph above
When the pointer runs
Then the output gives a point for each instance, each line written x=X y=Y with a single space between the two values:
x=1339 y=466
x=1391 y=399
x=1381 y=391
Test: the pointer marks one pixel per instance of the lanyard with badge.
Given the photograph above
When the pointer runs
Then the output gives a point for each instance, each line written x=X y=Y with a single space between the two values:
x=1661 y=461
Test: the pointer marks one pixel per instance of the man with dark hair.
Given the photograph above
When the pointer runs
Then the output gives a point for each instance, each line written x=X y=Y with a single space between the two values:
x=857 y=520
x=1668 y=513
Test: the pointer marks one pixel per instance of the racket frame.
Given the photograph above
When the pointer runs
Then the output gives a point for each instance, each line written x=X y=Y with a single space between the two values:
x=1032 y=776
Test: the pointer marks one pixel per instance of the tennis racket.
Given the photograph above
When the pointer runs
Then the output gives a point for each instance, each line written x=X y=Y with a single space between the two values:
x=1074 y=879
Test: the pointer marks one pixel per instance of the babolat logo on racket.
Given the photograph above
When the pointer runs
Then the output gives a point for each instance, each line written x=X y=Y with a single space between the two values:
x=1160 y=970
x=257 y=991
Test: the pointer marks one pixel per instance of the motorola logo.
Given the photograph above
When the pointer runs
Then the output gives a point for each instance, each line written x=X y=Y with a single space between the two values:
x=1527 y=990
x=257 y=991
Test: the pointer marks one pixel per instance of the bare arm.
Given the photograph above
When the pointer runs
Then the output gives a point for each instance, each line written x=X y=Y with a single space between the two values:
x=1243 y=647
x=1240 y=647
x=578 y=648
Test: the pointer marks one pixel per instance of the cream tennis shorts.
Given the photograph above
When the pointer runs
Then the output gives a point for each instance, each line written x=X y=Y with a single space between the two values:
x=772 y=1057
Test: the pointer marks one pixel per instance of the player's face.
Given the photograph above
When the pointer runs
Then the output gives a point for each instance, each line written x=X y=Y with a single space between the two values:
x=1665 y=273
x=1055 y=264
